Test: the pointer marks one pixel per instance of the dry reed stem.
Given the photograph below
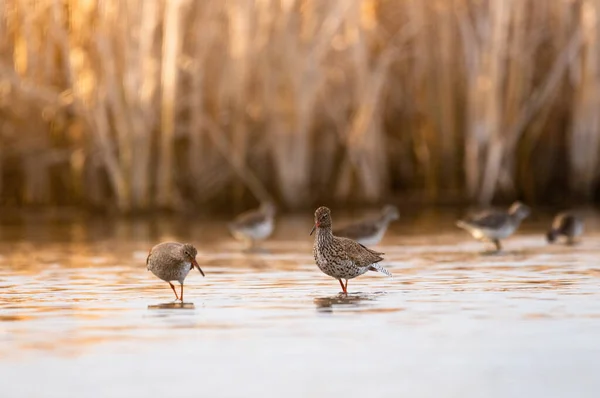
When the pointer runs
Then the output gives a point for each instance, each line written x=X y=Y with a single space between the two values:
x=585 y=138
x=148 y=103
x=165 y=194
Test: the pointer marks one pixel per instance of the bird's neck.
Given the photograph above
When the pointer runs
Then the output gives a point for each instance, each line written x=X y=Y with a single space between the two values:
x=515 y=218
x=324 y=234
x=266 y=213
x=384 y=220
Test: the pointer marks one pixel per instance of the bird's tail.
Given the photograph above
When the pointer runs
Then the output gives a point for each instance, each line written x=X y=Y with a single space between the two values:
x=379 y=268
x=233 y=229
x=462 y=224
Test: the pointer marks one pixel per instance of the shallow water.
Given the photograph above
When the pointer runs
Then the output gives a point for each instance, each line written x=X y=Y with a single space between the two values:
x=81 y=316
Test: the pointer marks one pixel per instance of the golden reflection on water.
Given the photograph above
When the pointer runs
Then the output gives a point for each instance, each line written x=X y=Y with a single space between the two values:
x=341 y=299
x=172 y=306
x=68 y=289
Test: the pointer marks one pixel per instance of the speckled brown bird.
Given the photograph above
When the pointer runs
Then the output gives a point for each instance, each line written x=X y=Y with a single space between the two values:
x=494 y=225
x=341 y=258
x=565 y=224
x=254 y=225
x=172 y=261
x=370 y=231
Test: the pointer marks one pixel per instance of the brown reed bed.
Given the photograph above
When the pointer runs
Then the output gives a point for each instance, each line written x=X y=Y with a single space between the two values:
x=137 y=105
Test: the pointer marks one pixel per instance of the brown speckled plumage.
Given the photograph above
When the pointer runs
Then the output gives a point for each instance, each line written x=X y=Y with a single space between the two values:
x=369 y=231
x=341 y=258
x=172 y=261
x=565 y=224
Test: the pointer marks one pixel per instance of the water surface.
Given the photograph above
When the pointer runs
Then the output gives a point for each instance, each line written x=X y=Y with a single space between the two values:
x=81 y=316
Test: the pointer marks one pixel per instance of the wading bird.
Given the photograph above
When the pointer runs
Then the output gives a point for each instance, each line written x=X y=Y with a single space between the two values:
x=492 y=226
x=172 y=261
x=341 y=258
x=370 y=231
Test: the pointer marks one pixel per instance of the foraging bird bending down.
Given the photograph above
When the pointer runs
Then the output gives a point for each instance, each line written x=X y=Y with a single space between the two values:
x=565 y=224
x=171 y=261
x=341 y=258
x=492 y=226
x=254 y=225
x=370 y=231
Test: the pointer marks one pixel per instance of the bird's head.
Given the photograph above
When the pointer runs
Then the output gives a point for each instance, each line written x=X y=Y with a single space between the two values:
x=189 y=252
x=322 y=218
x=390 y=213
x=268 y=208
x=519 y=210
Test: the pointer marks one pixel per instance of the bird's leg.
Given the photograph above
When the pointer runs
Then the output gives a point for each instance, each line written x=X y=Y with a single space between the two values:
x=342 y=285
x=181 y=294
x=346 y=287
x=498 y=245
x=174 y=291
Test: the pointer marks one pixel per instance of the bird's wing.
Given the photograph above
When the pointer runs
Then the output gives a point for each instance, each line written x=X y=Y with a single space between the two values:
x=566 y=223
x=359 y=254
x=249 y=219
x=170 y=254
x=148 y=259
x=371 y=250
x=558 y=221
x=357 y=230
x=487 y=220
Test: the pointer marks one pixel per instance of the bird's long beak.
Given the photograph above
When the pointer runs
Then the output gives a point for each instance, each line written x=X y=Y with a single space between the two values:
x=314 y=227
x=195 y=264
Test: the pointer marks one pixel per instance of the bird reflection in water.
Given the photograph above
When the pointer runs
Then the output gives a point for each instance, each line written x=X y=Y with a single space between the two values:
x=326 y=304
x=256 y=263
x=171 y=305
x=256 y=250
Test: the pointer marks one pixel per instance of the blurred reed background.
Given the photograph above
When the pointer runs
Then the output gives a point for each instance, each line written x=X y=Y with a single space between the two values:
x=135 y=105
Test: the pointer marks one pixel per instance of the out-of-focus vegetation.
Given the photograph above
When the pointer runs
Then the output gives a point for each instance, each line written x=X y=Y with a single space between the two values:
x=143 y=104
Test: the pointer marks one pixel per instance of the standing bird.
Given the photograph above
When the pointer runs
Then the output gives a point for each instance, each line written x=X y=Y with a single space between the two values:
x=370 y=231
x=172 y=261
x=341 y=258
x=254 y=225
x=566 y=224
x=492 y=226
